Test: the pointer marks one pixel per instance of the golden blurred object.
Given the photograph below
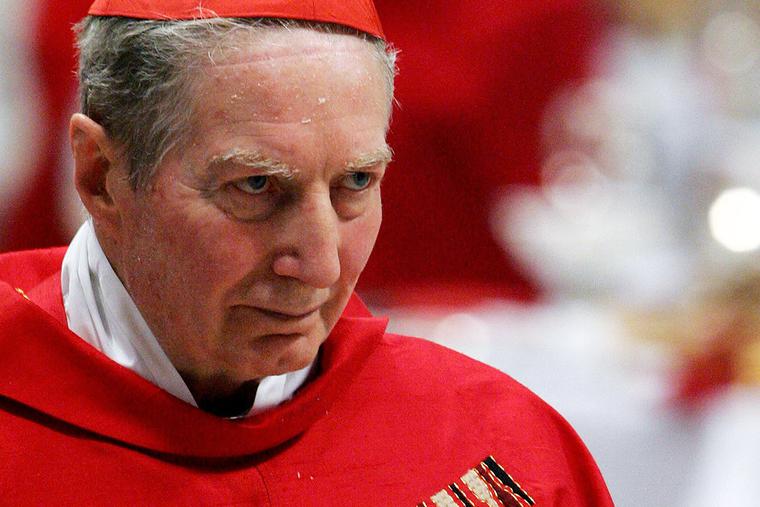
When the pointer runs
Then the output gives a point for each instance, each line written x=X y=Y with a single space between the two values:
x=661 y=17
x=748 y=371
x=737 y=340
x=714 y=337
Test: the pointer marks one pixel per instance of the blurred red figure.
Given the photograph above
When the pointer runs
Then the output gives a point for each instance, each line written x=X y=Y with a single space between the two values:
x=35 y=221
x=473 y=87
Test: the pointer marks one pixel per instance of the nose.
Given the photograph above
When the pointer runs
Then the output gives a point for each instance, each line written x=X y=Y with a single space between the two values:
x=312 y=240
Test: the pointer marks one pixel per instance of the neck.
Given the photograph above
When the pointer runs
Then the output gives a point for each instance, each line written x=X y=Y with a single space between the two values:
x=220 y=398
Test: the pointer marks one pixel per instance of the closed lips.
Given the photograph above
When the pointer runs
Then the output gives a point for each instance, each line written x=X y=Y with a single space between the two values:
x=288 y=315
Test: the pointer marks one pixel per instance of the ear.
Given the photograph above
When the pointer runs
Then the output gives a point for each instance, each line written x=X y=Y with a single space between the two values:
x=95 y=163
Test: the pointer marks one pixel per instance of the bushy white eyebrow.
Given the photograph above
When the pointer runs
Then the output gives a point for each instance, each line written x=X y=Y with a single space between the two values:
x=383 y=155
x=267 y=165
x=272 y=167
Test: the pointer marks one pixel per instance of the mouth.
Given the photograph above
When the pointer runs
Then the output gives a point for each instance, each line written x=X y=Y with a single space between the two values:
x=276 y=321
x=288 y=315
x=259 y=322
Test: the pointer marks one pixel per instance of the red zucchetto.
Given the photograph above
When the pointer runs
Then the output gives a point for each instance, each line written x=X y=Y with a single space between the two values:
x=359 y=14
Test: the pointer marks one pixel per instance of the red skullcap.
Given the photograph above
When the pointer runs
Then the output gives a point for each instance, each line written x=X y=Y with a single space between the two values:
x=359 y=14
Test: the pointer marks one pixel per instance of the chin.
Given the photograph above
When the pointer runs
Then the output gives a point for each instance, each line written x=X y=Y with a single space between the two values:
x=287 y=354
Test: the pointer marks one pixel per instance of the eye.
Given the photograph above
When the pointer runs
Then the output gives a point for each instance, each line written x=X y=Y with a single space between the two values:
x=253 y=184
x=357 y=180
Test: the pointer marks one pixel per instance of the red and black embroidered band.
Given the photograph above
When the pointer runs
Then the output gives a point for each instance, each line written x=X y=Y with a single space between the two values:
x=486 y=484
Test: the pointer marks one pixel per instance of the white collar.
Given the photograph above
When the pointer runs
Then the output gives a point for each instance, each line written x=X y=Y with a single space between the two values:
x=100 y=310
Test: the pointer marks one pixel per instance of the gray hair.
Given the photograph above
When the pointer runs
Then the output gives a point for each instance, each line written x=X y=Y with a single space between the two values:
x=137 y=77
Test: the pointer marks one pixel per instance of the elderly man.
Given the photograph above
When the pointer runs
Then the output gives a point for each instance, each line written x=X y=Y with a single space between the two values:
x=199 y=342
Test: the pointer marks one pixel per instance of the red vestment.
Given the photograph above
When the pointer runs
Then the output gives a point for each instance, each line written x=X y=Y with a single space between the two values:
x=388 y=420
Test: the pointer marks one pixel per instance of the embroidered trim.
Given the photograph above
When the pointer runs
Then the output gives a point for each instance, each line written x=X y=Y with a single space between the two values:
x=507 y=480
x=490 y=486
x=461 y=496
x=443 y=499
x=506 y=497
x=480 y=488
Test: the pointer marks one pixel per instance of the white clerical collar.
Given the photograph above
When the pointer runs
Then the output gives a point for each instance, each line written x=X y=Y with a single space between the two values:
x=100 y=310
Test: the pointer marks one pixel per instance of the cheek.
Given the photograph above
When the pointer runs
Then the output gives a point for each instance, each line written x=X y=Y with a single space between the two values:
x=184 y=252
x=210 y=249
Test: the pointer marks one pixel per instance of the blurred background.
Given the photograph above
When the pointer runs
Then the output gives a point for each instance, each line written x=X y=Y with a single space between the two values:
x=575 y=200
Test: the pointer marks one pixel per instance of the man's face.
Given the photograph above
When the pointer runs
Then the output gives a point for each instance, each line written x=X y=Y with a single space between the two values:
x=243 y=253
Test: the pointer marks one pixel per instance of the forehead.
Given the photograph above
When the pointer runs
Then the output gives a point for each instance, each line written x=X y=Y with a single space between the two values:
x=279 y=88
x=273 y=62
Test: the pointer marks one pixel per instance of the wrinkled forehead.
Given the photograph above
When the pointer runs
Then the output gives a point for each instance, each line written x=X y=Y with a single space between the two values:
x=295 y=60
x=282 y=90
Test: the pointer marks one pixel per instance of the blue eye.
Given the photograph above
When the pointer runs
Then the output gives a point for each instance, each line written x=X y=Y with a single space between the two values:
x=358 y=180
x=253 y=184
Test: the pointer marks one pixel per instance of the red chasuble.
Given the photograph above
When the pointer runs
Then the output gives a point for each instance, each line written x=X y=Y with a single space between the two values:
x=388 y=421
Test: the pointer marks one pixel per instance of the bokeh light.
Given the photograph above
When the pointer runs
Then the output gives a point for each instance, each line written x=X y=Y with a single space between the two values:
x=735 y=219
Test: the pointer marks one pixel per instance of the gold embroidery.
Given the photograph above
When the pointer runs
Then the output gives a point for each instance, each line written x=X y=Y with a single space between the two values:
x=498 y=487
x=528 y=498
x=479 y=488
x=461 y=494
x=23 y=294
x=443 y=499
x=490 y=484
